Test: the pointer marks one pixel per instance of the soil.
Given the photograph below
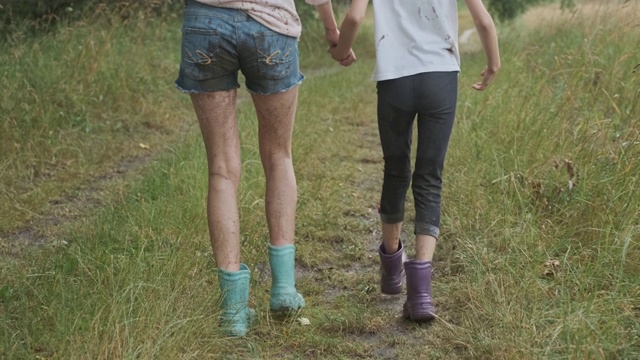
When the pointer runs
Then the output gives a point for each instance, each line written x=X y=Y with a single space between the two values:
x=72 y=206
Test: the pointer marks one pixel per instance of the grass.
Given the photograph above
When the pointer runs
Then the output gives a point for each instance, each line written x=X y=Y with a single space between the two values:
x=539 y=252
x=76 y=102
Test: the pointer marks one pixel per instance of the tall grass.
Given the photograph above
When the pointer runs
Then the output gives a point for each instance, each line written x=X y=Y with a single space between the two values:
x=75 y=101
x=546 y=165
x=538 y=256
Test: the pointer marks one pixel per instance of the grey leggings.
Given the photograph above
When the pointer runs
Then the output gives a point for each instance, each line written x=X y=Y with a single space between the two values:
x=432 y=97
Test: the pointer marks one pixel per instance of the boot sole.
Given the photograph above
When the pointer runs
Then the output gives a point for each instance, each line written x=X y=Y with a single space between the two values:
x=422 y=318
x=285 y=310
x=392 y=291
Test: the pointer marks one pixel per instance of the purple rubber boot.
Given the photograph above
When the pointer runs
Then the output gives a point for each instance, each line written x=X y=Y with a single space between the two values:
x=391 y=270
x=419 y=305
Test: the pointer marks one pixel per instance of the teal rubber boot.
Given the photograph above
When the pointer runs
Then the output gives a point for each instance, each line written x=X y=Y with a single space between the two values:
x=284 y=296
x=236 y=316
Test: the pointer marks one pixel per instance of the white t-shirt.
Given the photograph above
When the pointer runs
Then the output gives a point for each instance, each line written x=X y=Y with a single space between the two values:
x=415 y=36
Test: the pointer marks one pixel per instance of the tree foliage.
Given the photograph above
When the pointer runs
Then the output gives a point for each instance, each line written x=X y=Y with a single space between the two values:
x=42 y=13
x=15 y=10
x=508 y=9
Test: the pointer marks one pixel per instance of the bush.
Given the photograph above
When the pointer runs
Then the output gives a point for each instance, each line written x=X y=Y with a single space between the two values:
x=506 y=10
x=18 y=11
x=41 y=14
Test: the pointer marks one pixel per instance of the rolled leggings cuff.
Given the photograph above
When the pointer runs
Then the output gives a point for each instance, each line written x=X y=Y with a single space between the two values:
x=427 y=229
x=391 y=219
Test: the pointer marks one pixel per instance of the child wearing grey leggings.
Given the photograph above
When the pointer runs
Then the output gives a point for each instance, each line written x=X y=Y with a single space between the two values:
x=417 y=65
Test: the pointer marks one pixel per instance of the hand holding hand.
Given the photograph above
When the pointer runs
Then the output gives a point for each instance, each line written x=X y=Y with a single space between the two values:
x=350 y=59
x=332 y=37
x=347 y=60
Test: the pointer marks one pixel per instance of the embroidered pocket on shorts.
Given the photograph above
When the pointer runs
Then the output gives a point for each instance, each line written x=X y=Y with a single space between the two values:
x=276 y=55
x=199 y=48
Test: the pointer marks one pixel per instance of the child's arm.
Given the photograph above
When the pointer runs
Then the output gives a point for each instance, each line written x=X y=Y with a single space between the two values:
x=325 y=12
x=349 y=31
x=489 y=38
x=331 y=33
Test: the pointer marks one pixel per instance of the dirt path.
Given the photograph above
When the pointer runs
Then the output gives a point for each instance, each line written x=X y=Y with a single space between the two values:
x=387 y=340
x=80 y=202
x=75 y=204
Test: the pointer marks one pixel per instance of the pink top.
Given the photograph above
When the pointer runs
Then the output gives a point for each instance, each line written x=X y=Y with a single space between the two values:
x=278 y=15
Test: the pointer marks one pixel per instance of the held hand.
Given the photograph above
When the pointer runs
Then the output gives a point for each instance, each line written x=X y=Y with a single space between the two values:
x=350 y=59
x=332 y=37
x=333 y=51
x=347 y=60
x=487 y=77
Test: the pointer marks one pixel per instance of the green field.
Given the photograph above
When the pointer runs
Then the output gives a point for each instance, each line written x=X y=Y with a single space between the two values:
x=104 y=250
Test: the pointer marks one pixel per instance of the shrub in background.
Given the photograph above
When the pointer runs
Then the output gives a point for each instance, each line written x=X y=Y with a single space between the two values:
x=41 y=14
x=506 y=10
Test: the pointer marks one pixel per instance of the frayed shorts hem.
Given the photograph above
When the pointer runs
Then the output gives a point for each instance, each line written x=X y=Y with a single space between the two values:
x=277 y=91
x=194 y=91
x=188 y=91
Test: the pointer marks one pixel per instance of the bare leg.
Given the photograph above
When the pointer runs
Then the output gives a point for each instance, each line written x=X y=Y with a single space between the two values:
x=216 y=114
x=425 y=244
x=425 y=247
x=276 y=114
x=391 y=237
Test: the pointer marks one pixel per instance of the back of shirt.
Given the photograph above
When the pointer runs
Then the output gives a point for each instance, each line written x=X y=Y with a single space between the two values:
x=278 y=15
x=415 y=36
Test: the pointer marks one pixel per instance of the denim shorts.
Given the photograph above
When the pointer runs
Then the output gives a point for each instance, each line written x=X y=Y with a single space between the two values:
x=217 y=42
